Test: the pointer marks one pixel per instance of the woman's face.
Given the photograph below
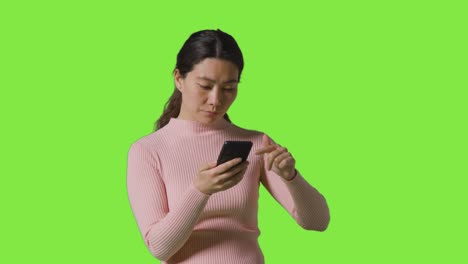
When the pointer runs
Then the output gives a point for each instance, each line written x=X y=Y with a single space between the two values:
x=208 y=90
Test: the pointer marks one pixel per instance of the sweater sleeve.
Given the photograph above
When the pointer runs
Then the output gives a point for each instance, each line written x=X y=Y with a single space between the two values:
x=301 y=200
x=164 y=232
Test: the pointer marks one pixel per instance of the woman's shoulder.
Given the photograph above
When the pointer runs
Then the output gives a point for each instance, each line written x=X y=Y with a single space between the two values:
x=151 y=140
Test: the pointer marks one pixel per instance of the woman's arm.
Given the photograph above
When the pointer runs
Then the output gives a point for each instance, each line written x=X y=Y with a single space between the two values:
x=163 y=231
x=302 y=201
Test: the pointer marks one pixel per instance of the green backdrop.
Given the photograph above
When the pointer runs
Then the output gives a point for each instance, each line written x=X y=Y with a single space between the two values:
x=368 y=96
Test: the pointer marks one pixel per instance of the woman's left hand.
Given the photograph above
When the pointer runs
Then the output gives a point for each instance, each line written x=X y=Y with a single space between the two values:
x=278 y=159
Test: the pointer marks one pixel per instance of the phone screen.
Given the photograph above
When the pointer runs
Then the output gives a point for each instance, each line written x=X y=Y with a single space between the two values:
x=234 y=149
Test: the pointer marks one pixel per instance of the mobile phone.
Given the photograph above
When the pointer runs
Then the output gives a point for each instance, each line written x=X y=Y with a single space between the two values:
x=234 y=149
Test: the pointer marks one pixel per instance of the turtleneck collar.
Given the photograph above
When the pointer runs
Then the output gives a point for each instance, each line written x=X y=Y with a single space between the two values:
x=189 y=126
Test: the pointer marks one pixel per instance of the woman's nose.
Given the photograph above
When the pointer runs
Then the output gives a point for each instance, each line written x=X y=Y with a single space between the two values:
x=215 y=97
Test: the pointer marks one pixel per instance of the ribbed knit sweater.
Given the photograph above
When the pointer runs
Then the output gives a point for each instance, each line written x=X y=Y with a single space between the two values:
x=180 y=224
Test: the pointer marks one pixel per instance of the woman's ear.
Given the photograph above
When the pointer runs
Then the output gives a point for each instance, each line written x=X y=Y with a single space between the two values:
x=178 y=80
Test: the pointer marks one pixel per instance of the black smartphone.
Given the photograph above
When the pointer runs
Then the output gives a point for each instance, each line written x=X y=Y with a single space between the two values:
x=234 y=149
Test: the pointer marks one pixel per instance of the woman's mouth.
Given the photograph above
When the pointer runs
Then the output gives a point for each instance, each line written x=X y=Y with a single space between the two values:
x=211 y=113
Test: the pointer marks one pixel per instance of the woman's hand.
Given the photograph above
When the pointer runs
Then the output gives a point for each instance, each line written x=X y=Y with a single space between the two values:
x=278 y=159
x=212 y=178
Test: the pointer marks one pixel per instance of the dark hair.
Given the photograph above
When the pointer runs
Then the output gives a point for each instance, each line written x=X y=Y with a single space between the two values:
x=199 y=46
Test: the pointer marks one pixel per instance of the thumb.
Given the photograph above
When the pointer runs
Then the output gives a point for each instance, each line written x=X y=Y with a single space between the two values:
x=208 y=165
x=213 y=163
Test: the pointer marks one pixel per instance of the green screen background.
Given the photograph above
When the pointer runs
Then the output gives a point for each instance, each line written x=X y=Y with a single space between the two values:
x=368 y=96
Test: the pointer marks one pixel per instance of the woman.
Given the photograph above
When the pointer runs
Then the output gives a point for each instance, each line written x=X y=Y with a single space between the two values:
x=188 y=209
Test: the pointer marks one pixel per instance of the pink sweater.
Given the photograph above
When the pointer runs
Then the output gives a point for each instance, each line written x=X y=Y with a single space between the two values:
x=179 y=224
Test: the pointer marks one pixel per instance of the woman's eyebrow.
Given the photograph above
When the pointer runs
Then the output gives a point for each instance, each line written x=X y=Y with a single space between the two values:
x=211 y=80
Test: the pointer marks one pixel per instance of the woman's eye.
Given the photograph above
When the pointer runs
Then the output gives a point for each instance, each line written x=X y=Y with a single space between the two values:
x=207 y=87
x=204 y=86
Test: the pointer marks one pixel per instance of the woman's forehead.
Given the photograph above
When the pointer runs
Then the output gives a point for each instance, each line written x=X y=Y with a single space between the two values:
x=203 y=78
x=215 y=70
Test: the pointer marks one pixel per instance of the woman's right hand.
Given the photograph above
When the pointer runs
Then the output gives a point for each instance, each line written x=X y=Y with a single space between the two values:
x=212 y=179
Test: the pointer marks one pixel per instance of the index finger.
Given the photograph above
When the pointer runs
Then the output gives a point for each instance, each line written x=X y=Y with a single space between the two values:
x=265 y=149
